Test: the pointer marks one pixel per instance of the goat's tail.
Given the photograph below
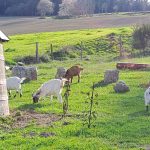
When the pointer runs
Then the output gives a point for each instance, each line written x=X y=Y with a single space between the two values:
x=22 y=80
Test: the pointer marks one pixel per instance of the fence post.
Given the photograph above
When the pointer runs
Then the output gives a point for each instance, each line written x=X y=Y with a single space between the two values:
x=51 y=47
x=37 y=52
x=120 y=46
x=81 y=54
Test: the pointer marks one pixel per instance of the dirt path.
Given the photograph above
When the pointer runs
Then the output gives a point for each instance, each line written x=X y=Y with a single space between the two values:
x=20 y=25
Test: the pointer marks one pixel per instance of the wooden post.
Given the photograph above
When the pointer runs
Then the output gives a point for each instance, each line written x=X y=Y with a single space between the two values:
x=120 y=46
x=4 y=107
x=37 y=52
x=51 y=47
x=81 y=54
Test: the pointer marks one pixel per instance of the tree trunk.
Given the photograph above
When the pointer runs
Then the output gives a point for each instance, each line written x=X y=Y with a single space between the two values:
x=4 y=108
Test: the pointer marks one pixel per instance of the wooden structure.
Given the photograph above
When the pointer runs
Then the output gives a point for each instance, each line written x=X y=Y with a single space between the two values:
x=132 y=66
x=4 y=107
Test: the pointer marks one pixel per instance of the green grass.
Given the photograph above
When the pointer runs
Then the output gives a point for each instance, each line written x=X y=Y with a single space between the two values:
x=24 y=45
x=122 y=122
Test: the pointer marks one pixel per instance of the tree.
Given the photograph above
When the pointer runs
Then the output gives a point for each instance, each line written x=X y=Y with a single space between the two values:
x=20 y=7
x=86 y=6
x=17 y=10
x=56 y=6
x=77 y=7
x=70 y=7
x=45 y=7
x=66 y=8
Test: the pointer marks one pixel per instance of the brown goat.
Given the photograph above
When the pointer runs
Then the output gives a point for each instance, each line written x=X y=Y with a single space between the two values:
x=73 y=71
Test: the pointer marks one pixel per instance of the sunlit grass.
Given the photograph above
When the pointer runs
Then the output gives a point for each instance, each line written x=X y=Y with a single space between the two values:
x=122 y=122
x=24 y=45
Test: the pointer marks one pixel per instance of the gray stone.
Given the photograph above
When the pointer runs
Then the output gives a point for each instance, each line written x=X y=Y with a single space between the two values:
x=28 y=72
x=61 y=71
x=111 y=76
x=121 y=87
x=87 y=58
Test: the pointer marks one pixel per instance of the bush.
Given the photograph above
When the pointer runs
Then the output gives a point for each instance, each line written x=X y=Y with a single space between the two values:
x=141 y=37
x=45 y=58
x=63 y=17
x=26 y=59
x=65 y=53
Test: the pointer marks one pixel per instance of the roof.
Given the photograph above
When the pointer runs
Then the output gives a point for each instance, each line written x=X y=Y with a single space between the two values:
x=3 y=37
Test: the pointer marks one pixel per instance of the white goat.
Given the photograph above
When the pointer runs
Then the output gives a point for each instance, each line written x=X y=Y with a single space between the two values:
x=147 y=98
x=14 y=83
x=51 y=88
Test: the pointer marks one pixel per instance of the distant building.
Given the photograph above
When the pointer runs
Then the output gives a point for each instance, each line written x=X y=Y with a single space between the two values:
x=3 y=37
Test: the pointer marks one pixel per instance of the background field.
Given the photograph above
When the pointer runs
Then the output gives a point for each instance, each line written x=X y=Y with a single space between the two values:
x=21 y=25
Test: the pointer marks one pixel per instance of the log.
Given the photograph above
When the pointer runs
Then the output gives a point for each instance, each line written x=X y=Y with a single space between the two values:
x=132 y=66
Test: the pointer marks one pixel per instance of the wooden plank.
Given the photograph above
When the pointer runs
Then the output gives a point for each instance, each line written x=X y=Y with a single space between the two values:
x=132 y=66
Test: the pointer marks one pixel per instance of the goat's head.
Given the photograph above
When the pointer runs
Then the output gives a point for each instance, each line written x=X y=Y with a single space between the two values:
x=64 y=81
x=35 y=97
x=81 y=68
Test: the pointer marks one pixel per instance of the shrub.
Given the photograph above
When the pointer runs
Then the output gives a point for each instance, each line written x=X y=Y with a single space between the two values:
x=26 y=59
x=141 y=37
x=45 y=58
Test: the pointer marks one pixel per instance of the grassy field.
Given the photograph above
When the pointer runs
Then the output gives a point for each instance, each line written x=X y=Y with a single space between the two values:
x=24 y=45
x=121 y=123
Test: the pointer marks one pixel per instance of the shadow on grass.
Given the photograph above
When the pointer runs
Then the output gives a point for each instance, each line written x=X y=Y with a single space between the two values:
x=75 y=83
x=29 y=107
x=140 y=113
x=100 y=84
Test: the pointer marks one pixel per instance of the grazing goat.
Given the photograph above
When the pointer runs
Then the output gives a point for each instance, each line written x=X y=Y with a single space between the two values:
x=14 y=83
x=73 y=71
x=147 y=98
x=51 y=88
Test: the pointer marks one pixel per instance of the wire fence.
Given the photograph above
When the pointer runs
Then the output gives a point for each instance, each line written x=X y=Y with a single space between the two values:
x=135 y=78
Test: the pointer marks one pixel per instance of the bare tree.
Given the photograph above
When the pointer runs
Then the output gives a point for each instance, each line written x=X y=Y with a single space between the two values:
x=45 y=7
x=66 y=8
x=85 y=7
x=77 y=7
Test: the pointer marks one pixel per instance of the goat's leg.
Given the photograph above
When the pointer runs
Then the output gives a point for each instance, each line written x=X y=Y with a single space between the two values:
x=146 y=107
x=9 y=93
x=15 y=93
x=59 y=97
x=51 y=98
x=20 y=91
x=71 y=79
x=78 y=78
